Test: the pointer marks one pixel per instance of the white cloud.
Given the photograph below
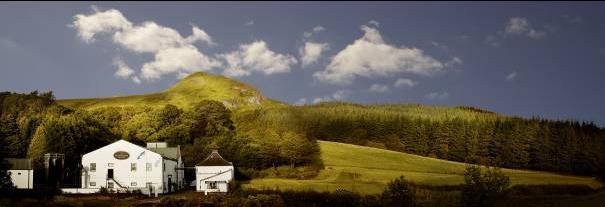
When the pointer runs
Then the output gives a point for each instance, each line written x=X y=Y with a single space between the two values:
x=136 y=80
x=300 y=102
x=124 y=71
x=370 y=56
x=311 y=52
x=379 y=88
x=336 y=96
x=198 y=34
x=405 y=82
x=176 y=60
x=249 y=23
x=521 y=26
x=511 y=76
x=374 y=22
x=100 y=22
x=256 y=56
x=172 y=52
x=437 y=95
x=453 y=61
x=313 y=31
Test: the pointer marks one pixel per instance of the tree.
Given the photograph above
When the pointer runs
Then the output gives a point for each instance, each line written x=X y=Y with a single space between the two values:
x=6 y=183
x=297 y=149
x=483 y=189
x=399 y=192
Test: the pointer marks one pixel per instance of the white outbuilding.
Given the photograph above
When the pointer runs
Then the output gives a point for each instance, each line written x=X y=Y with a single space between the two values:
x=123 y=166
x=21 y=172
x=213 y=174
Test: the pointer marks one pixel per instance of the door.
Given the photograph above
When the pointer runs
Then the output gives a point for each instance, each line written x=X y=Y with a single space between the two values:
x=109 y=173
x=169 y=184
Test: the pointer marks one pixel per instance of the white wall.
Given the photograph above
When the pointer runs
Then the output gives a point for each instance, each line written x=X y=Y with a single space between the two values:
x=221 y=174
x=23 y=179
x=122 y=171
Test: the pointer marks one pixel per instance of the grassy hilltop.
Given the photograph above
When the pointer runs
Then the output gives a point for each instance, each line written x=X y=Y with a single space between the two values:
x=367 y=170
x=185 y=93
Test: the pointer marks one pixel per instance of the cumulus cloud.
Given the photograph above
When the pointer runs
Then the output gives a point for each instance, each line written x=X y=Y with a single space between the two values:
x=172 y=52
x=511 y=76
x=379 y=88
x=437 y=95
x=256 y=56
x=311 y=52
x=313 y=31
x=370 y=56
x=184 y=59
x=336 y=96
x=405 y=83
x=521 y=26
x=100 y=22
x=124 y=71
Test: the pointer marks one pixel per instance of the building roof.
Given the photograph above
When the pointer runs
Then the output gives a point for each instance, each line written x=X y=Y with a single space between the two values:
x=214 y=159
x=172 y=153
x=19 y=163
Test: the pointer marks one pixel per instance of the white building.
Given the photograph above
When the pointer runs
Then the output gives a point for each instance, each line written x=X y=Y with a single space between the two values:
x=124 y=166
x=213 y=174
x=21 y=172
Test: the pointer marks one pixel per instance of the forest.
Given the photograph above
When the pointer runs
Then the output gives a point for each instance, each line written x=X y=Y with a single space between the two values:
x=464 y=134
x=34 y=124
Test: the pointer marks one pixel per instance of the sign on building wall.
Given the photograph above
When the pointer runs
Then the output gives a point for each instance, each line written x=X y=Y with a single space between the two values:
x=121 y=155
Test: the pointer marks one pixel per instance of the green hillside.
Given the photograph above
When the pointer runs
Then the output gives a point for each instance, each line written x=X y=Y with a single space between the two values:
x=367 y=170
x=185 y=93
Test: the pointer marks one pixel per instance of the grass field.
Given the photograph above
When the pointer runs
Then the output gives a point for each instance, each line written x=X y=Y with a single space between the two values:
x=367 y=170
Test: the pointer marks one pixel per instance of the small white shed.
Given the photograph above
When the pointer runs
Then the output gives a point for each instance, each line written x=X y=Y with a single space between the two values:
x=213 y=174
x=21 y=172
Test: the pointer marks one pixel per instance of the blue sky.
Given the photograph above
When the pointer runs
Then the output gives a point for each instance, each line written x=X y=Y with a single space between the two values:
x=526 y=59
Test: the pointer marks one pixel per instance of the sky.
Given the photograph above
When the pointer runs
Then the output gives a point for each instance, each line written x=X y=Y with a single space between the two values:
x=514 y=58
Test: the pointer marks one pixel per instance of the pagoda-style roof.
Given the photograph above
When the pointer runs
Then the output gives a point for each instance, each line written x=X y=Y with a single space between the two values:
x=214 y=159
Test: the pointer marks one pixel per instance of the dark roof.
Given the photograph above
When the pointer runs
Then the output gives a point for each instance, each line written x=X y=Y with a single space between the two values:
x=19 y=163
x=214 y=159
x=172 y=153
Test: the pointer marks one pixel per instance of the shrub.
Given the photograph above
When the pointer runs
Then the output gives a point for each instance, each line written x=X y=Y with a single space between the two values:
x=483 y=189
x=399 y=192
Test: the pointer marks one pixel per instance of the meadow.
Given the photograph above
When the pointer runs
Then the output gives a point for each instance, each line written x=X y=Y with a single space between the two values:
x=367 y=170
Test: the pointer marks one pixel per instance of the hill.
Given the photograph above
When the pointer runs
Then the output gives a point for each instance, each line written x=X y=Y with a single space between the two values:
x=185 y=93
x=367 y=170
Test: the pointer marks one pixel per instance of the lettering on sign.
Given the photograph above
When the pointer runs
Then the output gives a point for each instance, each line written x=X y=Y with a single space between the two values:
x=121 y=155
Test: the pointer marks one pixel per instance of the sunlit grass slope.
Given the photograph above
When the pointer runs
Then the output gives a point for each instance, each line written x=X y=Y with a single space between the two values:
x=184 y=94
x=367 y=170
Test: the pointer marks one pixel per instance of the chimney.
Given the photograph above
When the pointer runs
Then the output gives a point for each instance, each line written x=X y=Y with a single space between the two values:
x=156 y=145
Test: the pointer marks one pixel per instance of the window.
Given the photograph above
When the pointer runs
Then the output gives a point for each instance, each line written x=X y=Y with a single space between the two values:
x=18 y=173
x=93 y=167
x=109 y=185
x=133 y=167
x=148 y=166
x=133 y=184
x=109 y=164
x=93 y=183
x=212 y=185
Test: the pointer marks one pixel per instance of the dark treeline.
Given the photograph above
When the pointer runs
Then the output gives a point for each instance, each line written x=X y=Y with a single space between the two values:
x=454 y=133
x=34 y=124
